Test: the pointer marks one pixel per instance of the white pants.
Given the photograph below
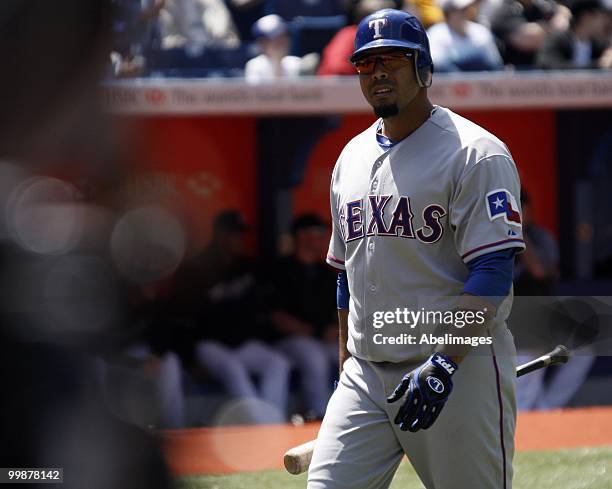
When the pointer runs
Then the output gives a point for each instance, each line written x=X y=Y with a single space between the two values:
x=315 y=362
x=233 y=367
x=470 y=446
x=155 y=396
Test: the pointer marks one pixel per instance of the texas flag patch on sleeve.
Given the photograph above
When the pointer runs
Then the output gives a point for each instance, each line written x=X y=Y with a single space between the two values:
x=501 y=203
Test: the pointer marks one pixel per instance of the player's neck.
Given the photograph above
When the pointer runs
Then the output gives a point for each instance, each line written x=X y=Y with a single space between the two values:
x=409 y=119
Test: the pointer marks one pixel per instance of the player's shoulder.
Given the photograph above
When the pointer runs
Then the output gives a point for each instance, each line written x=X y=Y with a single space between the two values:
x=257 y=60
x=478 y=31
x=362 y=143
x=438 y=29
x=256 y=65
x=469 y=136
x=365 y=138
x=291 y=64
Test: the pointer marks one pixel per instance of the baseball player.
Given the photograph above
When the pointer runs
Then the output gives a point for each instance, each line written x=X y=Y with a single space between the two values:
x=425 y=217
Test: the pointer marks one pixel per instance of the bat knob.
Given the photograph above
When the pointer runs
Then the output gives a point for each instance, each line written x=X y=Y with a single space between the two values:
x=561 y=353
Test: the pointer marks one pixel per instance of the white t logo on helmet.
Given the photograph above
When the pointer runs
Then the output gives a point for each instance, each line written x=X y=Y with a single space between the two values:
x=377 y=24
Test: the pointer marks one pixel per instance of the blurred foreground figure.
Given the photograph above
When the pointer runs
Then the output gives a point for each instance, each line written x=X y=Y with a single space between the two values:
x=59 y=300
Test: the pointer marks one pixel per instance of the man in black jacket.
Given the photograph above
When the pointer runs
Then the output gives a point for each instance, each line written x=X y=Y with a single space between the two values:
x=580 y=46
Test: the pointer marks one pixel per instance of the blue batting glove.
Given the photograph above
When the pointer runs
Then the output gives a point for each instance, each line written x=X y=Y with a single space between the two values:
x=427 y=389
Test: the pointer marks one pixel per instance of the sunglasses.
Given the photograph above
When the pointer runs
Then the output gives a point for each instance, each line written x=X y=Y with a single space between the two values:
x=390 y=62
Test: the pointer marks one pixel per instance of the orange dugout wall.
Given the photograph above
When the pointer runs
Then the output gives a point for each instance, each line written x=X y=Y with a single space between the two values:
x=212 y=161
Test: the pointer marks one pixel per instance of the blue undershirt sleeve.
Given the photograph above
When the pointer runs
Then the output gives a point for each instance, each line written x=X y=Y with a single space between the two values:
x=491 y=275
x=342 y=292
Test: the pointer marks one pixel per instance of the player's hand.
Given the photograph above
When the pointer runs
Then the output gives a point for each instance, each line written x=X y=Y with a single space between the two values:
x=426 y=390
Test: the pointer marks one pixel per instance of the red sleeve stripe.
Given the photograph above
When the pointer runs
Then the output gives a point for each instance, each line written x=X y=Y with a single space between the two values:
x=335 y=260
x=491 y=245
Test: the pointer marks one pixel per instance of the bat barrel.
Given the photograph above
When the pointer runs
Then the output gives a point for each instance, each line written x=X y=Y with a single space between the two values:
x=298 y=459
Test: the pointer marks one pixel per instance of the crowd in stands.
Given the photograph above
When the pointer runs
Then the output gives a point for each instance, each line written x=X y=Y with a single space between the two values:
x=269 y=39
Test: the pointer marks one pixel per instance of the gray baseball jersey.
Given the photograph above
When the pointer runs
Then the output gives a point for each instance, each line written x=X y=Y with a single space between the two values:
x=407 y=220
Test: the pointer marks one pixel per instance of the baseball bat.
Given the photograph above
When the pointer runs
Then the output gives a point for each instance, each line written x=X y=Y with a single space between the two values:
x=560 y=354
x=297 y=459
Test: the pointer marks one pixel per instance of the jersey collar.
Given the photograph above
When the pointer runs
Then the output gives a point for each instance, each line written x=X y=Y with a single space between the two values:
x=383 y=141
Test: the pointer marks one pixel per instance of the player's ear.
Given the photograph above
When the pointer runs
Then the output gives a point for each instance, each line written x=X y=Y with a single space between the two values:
x=424 y=74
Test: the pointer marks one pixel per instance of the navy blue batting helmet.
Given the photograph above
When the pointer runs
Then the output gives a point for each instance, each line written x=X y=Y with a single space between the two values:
x=397 y=29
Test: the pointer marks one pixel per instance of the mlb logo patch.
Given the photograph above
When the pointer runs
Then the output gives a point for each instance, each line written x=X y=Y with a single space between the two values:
x=501 y=203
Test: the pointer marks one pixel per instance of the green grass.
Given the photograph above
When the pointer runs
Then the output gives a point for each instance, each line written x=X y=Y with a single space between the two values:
x=563 y=469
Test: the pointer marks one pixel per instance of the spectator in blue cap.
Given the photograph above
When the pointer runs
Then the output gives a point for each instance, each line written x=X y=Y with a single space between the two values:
x=274 y=62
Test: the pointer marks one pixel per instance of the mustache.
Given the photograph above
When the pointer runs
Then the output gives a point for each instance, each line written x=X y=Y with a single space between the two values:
x=377 y=85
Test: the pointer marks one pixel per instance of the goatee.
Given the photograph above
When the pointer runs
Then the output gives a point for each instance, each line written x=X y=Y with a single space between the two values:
x=385 y=111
